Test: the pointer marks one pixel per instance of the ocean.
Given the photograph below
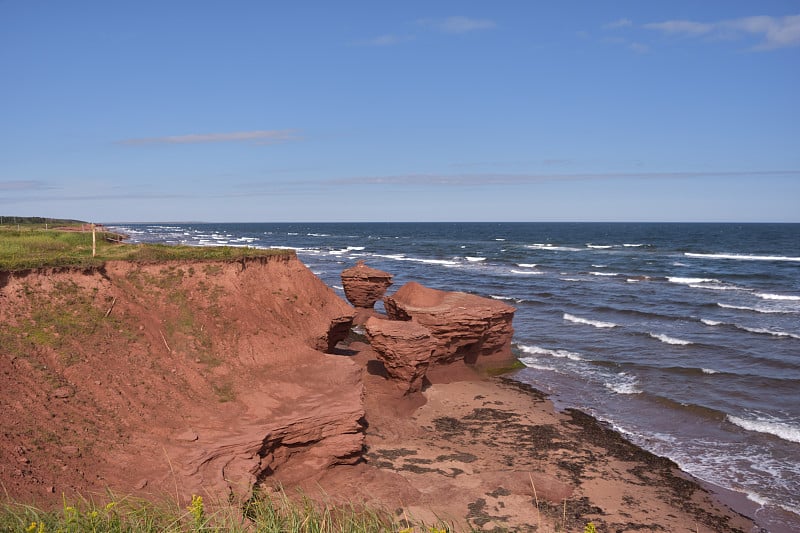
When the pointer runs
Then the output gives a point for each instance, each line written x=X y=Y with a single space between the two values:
x=683 y=337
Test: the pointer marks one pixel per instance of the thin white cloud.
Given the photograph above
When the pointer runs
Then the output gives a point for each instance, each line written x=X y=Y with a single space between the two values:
x=687 y=27
x=23 y=185
x=619 y=23
x=389 y=39
x=466 y=24
x=775 y=32
x=458 y=24
x=462 y=180
x=639 y=48
x=256 y=137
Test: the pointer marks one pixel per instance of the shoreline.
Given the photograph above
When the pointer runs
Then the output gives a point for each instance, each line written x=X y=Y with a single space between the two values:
x=507 y=459
x=738 y=502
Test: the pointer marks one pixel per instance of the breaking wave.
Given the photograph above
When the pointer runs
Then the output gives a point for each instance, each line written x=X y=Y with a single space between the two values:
x=670 y=340
x=743 y=257
x=768 y=425
x=595 y=323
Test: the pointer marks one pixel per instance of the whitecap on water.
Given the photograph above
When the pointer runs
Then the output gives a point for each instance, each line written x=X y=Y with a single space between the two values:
x=669 y=340
x=768 y=296
x=561 y=354
x=764 y=331
x=768 y=424
x=595 y=323
x=691 y=281
x=623 y=383
x=743 y=257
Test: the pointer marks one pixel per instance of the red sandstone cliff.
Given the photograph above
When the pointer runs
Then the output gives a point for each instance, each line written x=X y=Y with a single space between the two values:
x=202 y=376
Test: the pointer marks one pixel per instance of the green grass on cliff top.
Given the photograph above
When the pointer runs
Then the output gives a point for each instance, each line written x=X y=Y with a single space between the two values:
x=36 y=244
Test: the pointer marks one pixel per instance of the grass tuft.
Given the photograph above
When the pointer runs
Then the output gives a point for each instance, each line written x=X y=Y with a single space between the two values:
x=274 y=512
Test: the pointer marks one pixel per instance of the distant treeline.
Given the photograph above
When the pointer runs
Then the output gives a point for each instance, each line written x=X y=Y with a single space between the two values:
x=38 y=220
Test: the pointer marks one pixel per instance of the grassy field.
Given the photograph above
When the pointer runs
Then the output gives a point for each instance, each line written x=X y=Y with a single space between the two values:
x=274 y=513
x=35 y=244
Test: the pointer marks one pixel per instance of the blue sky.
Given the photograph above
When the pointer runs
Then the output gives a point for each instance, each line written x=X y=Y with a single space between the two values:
x=391 y=111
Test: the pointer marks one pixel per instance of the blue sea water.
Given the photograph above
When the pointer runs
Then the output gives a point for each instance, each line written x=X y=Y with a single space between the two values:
x=684 y=337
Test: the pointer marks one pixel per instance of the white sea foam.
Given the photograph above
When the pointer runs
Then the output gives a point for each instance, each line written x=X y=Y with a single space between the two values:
x=768 y=296
x=765 y=331
x=626 y=245
x=745 y=308
x=499 y=239
x=757 y=498
x=768 y=425
x=690 y=281
x=743 y=257
x=709 y=322
x=595 y=323
x=526 y=272
x=317 y=234
x=716 y=287
x=475 y=259
x=709 y=371
x=533 y=362
x=526 y=265
x=623 y=384
x=338 y=287
x=346 y=250
x=669 y=340
x=500 y=297
x=561 y=354
x=401 y=257
x=539 y=246
x=598 y=246
x=571 y=279
x=609 y=274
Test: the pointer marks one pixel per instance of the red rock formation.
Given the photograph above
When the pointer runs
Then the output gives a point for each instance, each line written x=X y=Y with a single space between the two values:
x=364 y=286
x=208 y=376
x=465 y=326
x=405 y=349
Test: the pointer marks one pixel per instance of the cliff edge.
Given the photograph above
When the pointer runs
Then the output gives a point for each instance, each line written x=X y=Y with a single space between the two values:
x=206 y=376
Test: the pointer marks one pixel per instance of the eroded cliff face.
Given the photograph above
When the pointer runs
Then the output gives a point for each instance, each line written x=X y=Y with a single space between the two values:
x=205 y=376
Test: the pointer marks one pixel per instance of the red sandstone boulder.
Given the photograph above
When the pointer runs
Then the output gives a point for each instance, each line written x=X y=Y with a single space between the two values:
x=364 y=286
x=464 y=326
x=404 y=347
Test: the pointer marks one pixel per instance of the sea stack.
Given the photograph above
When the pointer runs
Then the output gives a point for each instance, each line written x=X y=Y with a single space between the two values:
x=466 y=327
x=364 y=286
x=404 y=347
